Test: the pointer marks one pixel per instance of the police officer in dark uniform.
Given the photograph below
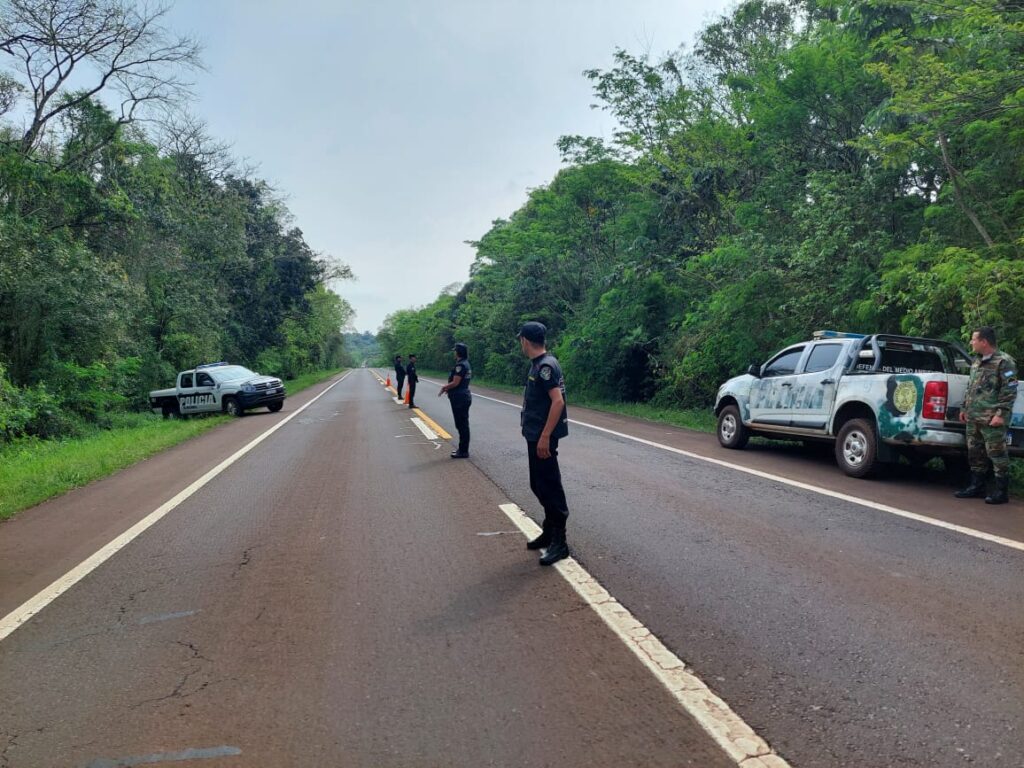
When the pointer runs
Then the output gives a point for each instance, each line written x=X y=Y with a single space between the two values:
x=410 y=373
x=399 y=375
x=545 y=421
x=460 y=397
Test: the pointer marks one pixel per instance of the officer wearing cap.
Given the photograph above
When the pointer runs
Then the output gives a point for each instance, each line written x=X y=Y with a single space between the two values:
x=545 y=421
x=399 y=375
x=410 y=373
x=460 y=397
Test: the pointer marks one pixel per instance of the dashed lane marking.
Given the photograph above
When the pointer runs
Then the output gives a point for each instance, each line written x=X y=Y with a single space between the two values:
x=165 y=757
x=904 y=513
x=35 y=604
x=432 y=424
x=727 y=728
x=427 y=432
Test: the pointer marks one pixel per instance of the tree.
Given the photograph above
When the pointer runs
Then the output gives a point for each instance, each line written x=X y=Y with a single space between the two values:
x=109 y=45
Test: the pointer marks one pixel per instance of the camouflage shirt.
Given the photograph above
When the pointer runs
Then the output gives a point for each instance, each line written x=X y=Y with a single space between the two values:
x=992 y=388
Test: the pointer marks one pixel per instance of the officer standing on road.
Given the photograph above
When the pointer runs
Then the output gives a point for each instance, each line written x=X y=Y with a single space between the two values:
x=399 y=375
x=410 y=372
x=545 y=421
x=460 y=397
x=987 y=408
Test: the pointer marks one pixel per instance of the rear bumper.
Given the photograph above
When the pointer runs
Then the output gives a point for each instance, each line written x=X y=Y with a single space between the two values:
x=953 y=440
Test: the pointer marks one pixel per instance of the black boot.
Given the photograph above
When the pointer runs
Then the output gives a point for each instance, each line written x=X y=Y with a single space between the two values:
x=460 y=454
x=975 y=489
x=1001 y=494
x=544 y=539
x=557 y=549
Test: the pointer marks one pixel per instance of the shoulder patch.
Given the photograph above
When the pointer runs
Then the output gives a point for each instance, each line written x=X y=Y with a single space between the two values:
x=1008 y=374
x=545 y=372
x=458 y=369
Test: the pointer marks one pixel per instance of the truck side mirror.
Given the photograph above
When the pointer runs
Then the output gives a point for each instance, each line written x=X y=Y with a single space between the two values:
x=754 y=370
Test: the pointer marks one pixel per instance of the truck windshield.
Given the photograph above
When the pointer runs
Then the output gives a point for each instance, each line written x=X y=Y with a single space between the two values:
x=231 y=373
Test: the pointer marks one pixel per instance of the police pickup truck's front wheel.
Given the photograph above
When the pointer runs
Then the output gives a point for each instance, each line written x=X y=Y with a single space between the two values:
x=731 y=432
x=232 y=407
x=857 y=448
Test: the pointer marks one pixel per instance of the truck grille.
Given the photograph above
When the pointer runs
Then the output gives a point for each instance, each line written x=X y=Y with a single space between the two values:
x=268 y=385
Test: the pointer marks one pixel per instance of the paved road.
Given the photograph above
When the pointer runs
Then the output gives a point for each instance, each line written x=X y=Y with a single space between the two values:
x=844 y=635
x=328 y=601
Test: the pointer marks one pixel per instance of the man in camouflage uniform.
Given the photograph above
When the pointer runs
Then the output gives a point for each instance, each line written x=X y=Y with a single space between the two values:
x=986 y=410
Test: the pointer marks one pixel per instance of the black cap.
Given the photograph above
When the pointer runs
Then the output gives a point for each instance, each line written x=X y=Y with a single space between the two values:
x=533 y=332
x=461 y=349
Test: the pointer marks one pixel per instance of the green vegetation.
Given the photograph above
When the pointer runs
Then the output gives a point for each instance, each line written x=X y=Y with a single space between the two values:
x=126 y=254
x=805 y=165
x=33 y=470
x=363 y=348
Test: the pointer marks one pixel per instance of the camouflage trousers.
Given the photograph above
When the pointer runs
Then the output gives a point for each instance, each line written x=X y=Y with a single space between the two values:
x=987 y=444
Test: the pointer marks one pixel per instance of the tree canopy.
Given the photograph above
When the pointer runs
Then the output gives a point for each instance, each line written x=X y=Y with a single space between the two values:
x=805 y=164
x=129 y=254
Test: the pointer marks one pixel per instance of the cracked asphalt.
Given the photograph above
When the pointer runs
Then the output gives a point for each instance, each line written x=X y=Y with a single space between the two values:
x=339 y=598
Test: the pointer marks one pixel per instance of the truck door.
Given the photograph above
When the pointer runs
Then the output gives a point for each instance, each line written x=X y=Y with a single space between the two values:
x=771 y=396
x=206 y=393
x=814 y=386
x=187 y=393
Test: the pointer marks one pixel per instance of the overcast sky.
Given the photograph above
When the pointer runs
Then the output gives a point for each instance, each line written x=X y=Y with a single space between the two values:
x=398 y=129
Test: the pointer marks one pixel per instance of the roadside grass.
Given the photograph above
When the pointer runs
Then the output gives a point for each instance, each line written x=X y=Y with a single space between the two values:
x=33 y=470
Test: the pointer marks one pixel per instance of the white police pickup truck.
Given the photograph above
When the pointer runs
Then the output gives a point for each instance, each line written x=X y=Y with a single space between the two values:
x=875 y=397
x=218 y=388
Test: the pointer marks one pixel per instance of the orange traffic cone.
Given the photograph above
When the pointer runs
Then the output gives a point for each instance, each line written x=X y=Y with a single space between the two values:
x=388 y=382
x=407 y=397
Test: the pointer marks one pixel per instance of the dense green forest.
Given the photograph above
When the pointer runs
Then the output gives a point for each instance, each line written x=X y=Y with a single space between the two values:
x=130 y=249
x=363 y=348
x=803 y=164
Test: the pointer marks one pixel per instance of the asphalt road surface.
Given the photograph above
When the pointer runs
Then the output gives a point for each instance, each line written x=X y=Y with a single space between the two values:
x=347 y=595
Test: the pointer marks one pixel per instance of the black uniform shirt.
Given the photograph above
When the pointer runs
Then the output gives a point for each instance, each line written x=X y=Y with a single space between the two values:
x=410 y=371
x=545 y=374
x=465 y=370
x=399 y=370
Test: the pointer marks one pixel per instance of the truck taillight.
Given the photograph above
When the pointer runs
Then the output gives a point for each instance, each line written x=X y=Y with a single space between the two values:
x=936 y=394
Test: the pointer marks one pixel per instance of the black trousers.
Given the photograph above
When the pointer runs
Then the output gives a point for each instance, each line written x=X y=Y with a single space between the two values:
x=412 y=393
x=399 y=381
x=546 y=484
x=460 y=412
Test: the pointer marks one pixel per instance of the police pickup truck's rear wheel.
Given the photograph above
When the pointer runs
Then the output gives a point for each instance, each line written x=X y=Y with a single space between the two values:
x=731 y=432
x=170 y=411
x=275 y=407
x=857 y=448
x=232 y=408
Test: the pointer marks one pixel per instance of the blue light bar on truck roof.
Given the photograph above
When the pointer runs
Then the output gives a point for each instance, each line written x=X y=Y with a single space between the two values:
x=837 y=335
x=211 y=365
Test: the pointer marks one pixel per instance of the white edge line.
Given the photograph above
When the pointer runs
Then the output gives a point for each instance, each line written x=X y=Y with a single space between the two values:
x=973 y=532
x=421 y=425
x=47 y=595
x=727 y=728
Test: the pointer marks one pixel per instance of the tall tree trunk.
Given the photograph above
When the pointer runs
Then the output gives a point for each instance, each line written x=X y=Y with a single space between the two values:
x=954 y=176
